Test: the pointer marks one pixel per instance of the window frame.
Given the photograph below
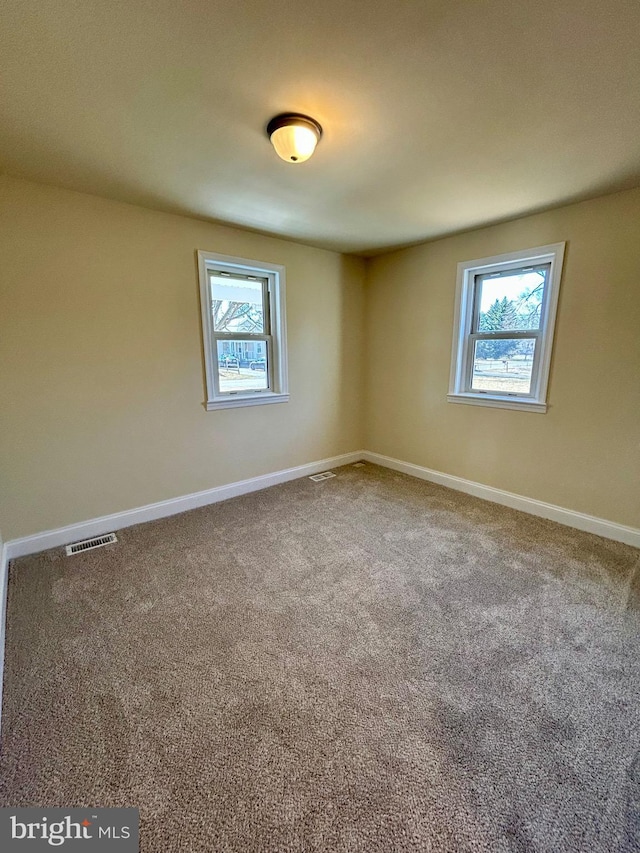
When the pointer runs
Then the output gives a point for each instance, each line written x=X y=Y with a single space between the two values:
x=274 y=335
x=466 y=320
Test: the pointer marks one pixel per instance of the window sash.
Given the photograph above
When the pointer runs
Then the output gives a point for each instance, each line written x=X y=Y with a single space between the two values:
x=507 y=334
x=266 y=292
x=264 y=336
x=241 y=336
x=221 y=336
x=472 y=334
x=480 y=278
x=535 y=335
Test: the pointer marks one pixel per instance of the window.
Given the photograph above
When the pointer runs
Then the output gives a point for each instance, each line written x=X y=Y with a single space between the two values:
x=243 y=331
x=503 y=329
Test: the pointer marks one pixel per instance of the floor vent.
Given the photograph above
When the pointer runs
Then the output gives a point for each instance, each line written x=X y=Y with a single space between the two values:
x=359 y=464
x=326 y=475
x=89 y=544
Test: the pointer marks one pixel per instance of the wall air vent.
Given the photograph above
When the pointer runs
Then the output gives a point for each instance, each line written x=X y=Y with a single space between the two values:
x=90 y=544
x=326 y=475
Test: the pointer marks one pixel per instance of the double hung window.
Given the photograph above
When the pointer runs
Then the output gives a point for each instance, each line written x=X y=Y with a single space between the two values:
x=503 y=332
x=244 y=334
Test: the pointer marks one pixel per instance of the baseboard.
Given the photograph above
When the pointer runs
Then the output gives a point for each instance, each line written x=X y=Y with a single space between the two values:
x=97 y=526
x=4 y=581
x=106 y=523
x=579 y=520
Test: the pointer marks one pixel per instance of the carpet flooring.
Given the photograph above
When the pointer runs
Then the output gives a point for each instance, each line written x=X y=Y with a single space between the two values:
x=370 y=663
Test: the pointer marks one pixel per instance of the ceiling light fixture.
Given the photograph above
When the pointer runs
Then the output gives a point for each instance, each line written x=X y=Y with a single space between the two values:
x=294 y=136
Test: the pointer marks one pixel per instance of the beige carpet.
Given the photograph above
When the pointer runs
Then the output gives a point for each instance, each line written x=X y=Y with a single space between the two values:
x=371 y=663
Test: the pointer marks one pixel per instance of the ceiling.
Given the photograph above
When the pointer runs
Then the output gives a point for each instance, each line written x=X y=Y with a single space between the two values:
x=438 y=115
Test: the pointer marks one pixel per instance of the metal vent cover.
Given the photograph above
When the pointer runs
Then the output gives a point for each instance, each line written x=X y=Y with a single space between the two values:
x=324 y=476
x=90 y=544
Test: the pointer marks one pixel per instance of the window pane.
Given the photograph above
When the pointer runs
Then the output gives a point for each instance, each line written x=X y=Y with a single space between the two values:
x=242 y=366
x=237 y=304
x=503 y=366
x=510 y=300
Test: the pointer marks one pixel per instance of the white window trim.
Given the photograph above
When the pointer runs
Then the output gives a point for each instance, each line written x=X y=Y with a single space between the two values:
x=467 y=270
x=275 y=275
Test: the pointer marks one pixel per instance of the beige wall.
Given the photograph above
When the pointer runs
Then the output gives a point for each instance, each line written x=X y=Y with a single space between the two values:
x=101 y=376
x=584 y=453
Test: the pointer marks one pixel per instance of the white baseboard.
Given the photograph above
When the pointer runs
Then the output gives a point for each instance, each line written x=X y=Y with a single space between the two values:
x=162 y=509
x=105 y=524
x=579 y=520
x=4 y=581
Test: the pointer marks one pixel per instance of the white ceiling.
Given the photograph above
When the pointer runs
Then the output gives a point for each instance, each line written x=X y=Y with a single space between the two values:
x=438 y=115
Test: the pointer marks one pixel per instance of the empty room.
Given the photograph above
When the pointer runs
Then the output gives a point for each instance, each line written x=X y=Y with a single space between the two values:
x=320 y=426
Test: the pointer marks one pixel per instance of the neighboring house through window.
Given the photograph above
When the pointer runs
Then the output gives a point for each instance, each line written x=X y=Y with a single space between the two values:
x=243 y=330
x=503 y=329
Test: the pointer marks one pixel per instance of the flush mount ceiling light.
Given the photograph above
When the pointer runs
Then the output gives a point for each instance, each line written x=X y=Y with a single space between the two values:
x=294 y=136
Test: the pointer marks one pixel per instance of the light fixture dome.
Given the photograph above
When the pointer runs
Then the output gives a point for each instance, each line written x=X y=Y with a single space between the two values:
x=294 y=136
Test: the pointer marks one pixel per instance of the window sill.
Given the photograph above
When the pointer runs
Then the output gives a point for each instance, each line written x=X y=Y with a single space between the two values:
x=497 y=402
x=236 y=401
